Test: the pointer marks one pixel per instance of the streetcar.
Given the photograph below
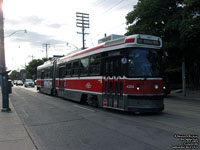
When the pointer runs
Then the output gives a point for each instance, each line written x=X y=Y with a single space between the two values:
x=123 y=74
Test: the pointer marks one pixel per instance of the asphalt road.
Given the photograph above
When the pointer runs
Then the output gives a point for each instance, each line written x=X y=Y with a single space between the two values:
x=58 y=124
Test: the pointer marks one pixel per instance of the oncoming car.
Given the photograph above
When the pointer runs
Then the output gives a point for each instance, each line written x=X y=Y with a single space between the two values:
x=29 y=82
x=19 y=82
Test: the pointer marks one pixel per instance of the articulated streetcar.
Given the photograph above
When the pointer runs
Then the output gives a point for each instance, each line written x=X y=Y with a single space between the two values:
x=123 y=74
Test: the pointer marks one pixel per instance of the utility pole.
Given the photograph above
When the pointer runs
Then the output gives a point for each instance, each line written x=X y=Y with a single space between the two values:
x=82 y=21
x=31 y=56
x=3 y=73
x=46 y=48
x=2 y=53
x=183 y=77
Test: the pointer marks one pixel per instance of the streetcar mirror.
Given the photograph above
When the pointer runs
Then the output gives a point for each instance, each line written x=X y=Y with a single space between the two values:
x=124 y=60
x=166 y=54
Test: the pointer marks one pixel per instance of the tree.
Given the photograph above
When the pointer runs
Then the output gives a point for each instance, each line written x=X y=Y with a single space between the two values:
x=31 y=68
x=178 y=23
x=14 y=75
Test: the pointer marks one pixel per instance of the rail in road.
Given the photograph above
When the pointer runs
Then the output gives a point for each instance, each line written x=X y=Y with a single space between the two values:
x=55 y=123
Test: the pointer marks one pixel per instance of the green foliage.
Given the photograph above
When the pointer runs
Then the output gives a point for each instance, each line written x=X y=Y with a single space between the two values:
x=31 y=68
x=14 y=75
x=178 y=23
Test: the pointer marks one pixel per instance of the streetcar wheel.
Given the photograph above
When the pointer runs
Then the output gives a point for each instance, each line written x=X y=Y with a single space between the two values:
x=54 y=92
x=84 y=98
x=93 y=101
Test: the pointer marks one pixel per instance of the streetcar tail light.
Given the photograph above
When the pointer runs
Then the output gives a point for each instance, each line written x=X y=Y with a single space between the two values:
x=105 y=102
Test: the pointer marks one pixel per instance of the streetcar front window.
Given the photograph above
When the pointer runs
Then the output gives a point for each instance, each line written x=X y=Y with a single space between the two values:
x=144 y=63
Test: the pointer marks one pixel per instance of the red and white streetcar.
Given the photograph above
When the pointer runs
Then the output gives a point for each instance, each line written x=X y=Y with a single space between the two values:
x=123 y=74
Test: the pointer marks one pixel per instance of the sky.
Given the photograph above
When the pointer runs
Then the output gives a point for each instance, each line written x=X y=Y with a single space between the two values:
x=53 y=22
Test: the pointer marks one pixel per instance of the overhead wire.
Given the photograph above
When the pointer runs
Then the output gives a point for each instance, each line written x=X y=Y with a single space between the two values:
x=111 y=8
x=116 y=4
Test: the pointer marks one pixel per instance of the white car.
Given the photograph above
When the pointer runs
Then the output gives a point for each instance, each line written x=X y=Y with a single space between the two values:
x=29 y=82
x=19 y=82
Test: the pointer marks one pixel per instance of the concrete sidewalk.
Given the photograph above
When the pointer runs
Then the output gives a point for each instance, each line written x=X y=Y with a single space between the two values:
x=13 y=133
x=190 y=95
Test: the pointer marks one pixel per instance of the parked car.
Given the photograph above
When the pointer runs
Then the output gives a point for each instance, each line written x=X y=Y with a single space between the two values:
x=11 y=82
x=29 y=82
x=19 y=82
x=15 y=82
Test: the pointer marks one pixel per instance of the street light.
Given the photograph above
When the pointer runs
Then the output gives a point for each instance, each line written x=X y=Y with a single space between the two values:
x=3 y=72
x=72 y=45
x=25 y=31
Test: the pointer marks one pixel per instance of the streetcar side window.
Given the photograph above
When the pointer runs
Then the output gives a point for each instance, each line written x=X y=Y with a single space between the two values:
x=68 y=69
x=116 y=67
x=111 y=68
x=106 y=67
x=61 y=71
x=95 y=64
x=57 y=71
x=84 y=66
x=38 y=74
x=47 y=73
x=42 y=74
x=51 y=72
x=75 y=68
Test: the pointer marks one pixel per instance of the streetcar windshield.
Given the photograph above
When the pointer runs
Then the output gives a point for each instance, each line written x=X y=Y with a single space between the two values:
x=144 y=63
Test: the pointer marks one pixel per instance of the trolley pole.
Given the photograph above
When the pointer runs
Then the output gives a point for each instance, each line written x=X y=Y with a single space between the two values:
x=82 y=21
x=3 y=73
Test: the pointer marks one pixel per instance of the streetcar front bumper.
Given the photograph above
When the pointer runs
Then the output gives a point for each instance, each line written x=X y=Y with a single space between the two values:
x=152 y=103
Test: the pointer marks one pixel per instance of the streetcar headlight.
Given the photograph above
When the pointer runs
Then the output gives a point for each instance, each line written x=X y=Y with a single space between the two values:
x=164 y=87
x=156 y=86
x=138 y=88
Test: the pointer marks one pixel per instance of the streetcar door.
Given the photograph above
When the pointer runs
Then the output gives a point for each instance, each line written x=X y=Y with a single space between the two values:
x=42 y=78
x=61 y=81
x=111 y=82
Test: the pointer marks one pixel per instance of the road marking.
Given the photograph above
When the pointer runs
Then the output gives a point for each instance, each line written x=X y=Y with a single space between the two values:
x=25 y=113
x=84 y=108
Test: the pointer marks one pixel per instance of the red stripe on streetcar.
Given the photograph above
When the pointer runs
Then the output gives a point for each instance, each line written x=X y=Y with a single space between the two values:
x=84 y=52
x=92 y=85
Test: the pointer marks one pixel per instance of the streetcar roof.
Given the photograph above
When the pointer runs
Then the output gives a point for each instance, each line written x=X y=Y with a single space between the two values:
x=137 y=40
x=46 y=64
x=122 y=42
